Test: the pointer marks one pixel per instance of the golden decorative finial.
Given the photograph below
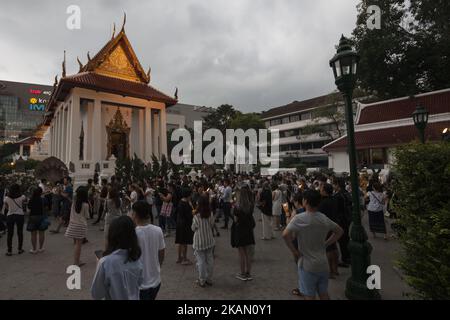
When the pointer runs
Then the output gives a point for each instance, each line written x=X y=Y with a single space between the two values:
x=89 y=56
x=114 y=31
x=176 y=93
x=124 y=21
x=64 y=65
x=56 y=81
x=80 y=64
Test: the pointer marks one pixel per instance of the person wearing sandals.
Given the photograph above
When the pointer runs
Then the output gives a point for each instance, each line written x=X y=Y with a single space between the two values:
x=77 y=229
x=14 y=202
x=184 y=234
x=242 y=236
x=203 y=225
x=38 y=220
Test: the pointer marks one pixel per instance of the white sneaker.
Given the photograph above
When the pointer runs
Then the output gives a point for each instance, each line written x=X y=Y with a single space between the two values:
x=41 y=250
x=33 y=251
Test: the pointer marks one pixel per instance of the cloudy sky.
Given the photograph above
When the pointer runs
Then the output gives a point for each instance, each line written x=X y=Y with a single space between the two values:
x=253 y=54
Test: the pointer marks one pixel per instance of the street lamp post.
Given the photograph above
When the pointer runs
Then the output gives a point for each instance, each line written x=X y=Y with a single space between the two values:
x=345 y=66
x=420 y=117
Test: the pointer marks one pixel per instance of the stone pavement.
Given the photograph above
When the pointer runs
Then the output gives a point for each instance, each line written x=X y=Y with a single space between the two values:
x=43 y=276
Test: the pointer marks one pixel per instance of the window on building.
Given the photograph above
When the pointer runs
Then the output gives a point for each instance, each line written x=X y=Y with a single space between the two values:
x=295 y=118
x=378 y=156
x=289 y=133
x=285 y=120
x=285 y=147
x=363 y=158
x=306 y=116
x=267 y=124
x=275 y=122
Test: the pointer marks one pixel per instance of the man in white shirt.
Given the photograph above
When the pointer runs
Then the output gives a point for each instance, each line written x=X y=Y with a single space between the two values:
x=151 y=241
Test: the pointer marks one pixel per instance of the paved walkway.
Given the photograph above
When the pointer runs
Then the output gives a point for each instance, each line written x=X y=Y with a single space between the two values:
x=43 y=276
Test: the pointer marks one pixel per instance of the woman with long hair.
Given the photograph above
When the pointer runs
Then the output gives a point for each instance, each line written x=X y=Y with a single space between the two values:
x=242 y=231
x=38 y=220
x=14 y=202
x=203 y=245
x=77 y=229
x=184 y=235
x=119 y=272
x=113 y=209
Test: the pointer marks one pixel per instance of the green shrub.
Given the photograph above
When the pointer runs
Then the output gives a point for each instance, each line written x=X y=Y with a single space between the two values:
x=422 y=189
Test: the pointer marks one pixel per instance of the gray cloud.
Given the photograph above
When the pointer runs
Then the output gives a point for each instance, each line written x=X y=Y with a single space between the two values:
x=253 y=54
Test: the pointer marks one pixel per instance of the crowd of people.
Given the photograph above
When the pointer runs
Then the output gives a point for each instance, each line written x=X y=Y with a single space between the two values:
x=137 y=217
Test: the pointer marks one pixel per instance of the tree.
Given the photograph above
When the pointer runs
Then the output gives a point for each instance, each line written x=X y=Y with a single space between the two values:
x=410 y=53
x=332 y=114
x=156 y=166
x=247 y=121
x=221 y=118
x=421 y=201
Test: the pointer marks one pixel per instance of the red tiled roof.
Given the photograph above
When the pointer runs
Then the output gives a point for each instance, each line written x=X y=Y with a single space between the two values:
x=435 y=103
x=99 y=82
x=389 y=137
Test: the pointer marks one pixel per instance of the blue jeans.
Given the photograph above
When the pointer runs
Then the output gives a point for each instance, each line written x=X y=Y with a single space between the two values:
x=312 y=283
x=149 y=294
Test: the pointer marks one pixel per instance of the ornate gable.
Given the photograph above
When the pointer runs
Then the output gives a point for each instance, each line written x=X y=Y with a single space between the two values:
x=118 y=64
x=117 y=59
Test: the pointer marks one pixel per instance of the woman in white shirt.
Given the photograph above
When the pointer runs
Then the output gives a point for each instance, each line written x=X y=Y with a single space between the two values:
x=375 y=208
x=14 y=203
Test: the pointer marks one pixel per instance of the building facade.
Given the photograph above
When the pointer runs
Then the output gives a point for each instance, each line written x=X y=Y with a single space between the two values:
x=106 y=111
x=382 y=126
x=294 y=122
x=22 y=109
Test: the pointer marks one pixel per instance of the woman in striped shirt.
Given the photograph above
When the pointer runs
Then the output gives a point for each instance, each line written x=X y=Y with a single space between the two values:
x=202 y=225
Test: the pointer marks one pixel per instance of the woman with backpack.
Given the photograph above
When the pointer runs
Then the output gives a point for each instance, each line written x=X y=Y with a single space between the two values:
x=14 y=203
x=38 y=221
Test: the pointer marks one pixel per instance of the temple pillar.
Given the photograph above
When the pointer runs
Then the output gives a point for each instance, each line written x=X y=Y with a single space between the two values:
x=148 y=135
x=163 y=135
x=75 y=130
x=96 y=137
x=155 y=133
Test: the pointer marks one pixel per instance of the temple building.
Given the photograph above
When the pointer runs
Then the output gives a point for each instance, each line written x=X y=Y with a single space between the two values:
x=106 y=111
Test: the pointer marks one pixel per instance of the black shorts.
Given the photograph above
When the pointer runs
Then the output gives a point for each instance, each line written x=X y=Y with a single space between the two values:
x=37 y=223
